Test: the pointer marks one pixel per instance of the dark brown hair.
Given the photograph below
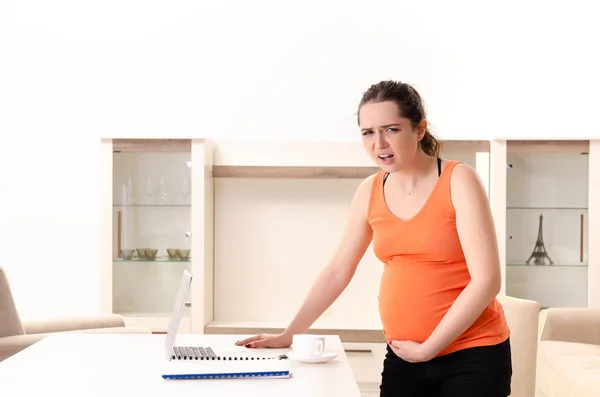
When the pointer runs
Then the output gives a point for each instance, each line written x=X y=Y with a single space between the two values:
x=410 y=104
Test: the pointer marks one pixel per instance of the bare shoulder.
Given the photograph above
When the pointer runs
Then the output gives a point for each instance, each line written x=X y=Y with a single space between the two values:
x=466 y=186
x=367 y=184
x=362 y=195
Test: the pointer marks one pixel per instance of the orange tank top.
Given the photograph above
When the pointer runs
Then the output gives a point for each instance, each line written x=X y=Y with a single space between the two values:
x=424 y=270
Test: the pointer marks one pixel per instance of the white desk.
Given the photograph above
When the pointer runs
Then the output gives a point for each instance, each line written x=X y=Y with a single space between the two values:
x=75 y=365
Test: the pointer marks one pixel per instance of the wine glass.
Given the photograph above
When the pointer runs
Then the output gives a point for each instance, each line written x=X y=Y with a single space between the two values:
x=129 y=193
x=149 y=190
x=185 y=190
x=162 y=190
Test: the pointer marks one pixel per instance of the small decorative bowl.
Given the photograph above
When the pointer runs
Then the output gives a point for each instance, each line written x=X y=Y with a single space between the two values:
x=127 y=254
x=173 y=253
x=184 y=255
x=151 y=253
x=147 y=253
x=141 y=253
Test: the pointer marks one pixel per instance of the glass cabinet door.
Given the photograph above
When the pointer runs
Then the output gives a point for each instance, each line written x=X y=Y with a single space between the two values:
x=151 y=228
x=547 y=222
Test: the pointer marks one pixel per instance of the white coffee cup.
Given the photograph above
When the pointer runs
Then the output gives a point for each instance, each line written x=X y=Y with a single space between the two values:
x=308 y=346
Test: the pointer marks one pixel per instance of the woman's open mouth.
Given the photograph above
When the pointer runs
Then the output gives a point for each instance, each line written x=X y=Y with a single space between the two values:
x=386 y=158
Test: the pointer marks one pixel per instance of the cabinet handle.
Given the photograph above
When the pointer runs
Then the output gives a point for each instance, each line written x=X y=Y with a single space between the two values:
x=119 y=237
x=358 y=350
x=581 y=238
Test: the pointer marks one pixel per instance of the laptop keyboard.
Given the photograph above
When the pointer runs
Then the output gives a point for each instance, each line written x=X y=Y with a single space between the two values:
x=207 y=353
x=193 y=353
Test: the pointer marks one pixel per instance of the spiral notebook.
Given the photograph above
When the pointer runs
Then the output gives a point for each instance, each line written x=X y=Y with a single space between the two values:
x=227 y=369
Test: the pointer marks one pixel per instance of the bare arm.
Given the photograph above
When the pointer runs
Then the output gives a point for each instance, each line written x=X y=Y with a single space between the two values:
x=334 y=277
x=477 y=236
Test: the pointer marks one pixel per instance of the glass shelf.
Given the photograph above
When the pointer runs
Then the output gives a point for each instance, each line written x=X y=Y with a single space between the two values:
x=578 y=265
x=158 y=260
x=152 y=205
x=547 y=223
x=548 y=208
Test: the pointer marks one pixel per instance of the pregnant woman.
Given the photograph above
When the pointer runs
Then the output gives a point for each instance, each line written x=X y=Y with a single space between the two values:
x=431 y=227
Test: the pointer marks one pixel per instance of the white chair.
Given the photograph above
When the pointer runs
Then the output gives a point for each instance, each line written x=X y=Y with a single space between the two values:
x=523 y=317
x=16 y=335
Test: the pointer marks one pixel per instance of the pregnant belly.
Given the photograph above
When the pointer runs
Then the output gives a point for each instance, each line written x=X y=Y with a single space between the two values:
x=413 y=298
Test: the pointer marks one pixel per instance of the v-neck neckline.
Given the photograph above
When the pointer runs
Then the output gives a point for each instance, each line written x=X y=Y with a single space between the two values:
x=423 y=207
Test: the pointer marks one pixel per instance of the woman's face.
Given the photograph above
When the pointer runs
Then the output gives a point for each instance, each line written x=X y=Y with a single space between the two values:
x=388 y=138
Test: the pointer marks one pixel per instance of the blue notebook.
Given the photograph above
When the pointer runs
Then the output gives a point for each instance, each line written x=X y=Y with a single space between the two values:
x=227 y=369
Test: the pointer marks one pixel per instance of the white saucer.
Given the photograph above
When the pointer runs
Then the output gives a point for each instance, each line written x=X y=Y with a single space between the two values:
x=323 y=358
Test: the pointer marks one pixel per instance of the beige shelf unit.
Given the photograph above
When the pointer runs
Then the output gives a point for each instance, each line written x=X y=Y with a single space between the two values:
x=266 y=216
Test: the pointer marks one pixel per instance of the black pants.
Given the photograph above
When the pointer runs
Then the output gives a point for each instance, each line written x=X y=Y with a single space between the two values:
x=484 y=371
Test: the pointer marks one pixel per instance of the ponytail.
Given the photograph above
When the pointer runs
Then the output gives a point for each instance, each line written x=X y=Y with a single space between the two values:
x=430 y=145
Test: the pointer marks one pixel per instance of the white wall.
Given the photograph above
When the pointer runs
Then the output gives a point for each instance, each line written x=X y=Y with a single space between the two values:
x=72 y=72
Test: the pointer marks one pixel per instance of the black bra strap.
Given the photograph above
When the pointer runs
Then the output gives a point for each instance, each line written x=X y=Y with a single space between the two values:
x=439 y=161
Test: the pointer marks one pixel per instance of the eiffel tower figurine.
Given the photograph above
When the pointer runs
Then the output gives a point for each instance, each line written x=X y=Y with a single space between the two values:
x=539 y=256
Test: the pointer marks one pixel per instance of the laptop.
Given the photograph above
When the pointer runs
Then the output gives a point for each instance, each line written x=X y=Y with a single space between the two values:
x=176 y=352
